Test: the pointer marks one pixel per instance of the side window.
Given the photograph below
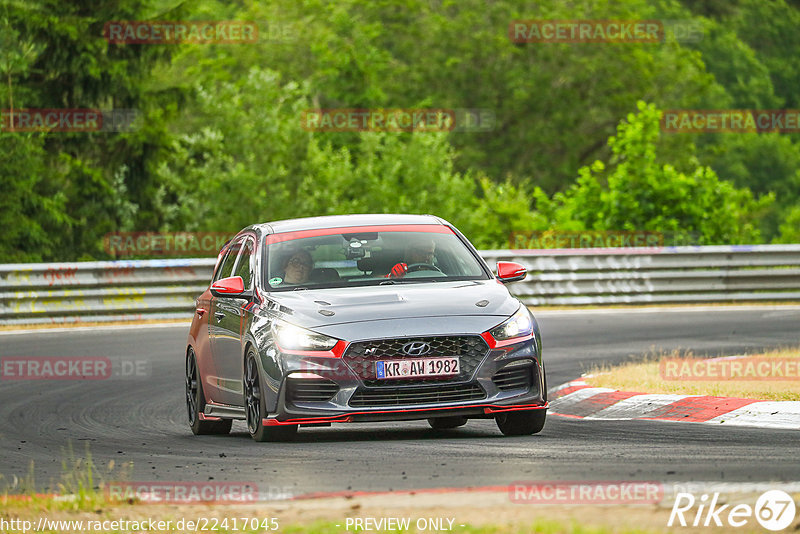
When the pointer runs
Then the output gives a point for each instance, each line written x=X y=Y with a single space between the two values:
x=243 y=266
x=226 y=266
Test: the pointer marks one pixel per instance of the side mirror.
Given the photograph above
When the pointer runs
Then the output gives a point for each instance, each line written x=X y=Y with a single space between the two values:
x=233 y=286
x=508 y=271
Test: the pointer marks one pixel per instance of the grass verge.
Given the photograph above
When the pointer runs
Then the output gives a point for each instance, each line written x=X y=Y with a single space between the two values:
x=655 y=375
x=329 y=516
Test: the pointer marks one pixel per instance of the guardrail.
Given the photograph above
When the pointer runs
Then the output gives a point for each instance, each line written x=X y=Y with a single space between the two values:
x=165 y=289
x=101 y=290
x=736 y=273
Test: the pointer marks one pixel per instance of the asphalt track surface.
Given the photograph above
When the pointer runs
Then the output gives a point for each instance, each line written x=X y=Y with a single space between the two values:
x=142 y=419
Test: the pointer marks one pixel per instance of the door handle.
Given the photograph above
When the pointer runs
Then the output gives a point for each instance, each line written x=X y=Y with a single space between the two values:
x=219 y=316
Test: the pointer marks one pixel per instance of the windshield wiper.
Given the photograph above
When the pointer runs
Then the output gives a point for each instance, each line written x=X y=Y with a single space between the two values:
x=411 y=281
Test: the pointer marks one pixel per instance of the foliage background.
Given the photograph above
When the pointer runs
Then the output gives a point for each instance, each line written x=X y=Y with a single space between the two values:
x=576 y=143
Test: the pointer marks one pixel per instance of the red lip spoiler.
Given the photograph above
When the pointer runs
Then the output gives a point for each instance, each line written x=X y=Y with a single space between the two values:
x=348 y=418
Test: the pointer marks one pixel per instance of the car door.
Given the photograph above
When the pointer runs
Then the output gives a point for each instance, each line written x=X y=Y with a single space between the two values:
x=228 y=316
x=212 y=384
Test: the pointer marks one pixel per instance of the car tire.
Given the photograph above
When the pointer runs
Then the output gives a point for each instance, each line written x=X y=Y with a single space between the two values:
x=522 y=423
x=255 y=406
x=446 y=423
x=196 y=402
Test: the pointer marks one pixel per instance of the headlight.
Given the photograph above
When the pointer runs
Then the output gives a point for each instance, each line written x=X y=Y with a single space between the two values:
x=291 y=337
x=518 y=325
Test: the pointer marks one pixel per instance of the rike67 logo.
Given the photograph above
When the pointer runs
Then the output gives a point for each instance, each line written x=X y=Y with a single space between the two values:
x=774 y=510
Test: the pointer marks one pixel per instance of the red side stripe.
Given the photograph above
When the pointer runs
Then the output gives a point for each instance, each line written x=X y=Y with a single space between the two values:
x=301 y=234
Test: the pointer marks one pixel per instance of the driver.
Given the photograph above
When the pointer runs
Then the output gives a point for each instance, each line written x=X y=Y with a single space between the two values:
x=297 y=267
x=420 y=252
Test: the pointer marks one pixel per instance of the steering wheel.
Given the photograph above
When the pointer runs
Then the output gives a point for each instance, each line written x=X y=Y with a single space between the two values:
x=422 y=267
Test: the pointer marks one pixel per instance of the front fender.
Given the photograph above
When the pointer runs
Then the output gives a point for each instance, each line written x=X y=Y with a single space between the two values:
x=260 y=336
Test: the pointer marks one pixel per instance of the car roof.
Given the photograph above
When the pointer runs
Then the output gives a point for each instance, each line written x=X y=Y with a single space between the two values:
x=344 y=221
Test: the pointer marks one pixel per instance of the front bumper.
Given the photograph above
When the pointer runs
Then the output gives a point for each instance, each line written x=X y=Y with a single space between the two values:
x=406 y=414
x=502 y=379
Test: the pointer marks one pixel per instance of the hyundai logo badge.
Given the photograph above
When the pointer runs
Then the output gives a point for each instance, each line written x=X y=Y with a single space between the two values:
x=416 y=348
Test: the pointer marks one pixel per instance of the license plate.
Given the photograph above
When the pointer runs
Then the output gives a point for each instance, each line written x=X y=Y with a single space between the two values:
x=418 y=367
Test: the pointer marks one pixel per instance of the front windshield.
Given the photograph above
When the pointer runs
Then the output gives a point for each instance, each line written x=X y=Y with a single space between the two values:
x=353 y=257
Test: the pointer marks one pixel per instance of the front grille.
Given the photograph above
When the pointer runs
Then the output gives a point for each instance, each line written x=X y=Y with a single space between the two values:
x=514 y=377
x=404 y=396
x=310 y=390
x=470 y=349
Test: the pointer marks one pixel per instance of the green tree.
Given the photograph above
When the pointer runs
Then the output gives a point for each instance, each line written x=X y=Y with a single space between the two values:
x=32 y=210
x=555 y=104
x=220 y=143
x=790 y=227
x=764 y=163
x=770 y=28
x=75 y=67
x=635 y=191
x=252 y=162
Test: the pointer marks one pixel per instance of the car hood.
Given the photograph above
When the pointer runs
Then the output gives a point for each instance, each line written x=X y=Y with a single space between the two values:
x=482 y=300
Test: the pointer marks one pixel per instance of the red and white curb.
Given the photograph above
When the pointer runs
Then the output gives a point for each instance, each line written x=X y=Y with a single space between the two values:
x=579 y=400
